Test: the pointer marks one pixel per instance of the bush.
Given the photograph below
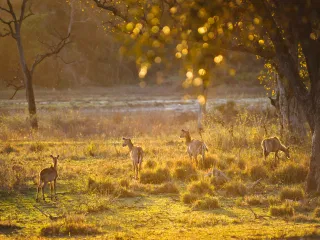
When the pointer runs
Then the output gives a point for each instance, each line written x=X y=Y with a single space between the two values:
x=316 y=212
x=157 y=176
x=151 y=164
x=300 y=218
x=281 y=211
x=168 y=187
x=242 y=164
x=189 y=198
x=273 y=200
x=125 y=193
x=91 y=150
x=72 y=225
x=292 y=193
x=290 y=172
x=37 y=147
x=254 y=200
x=207 y=203
x=124 y=183
x=105 y=186
x=258 y=171
x=235 y=188
x=184 y=171
x=8 y=148
x=201 y=187
x=208 y=162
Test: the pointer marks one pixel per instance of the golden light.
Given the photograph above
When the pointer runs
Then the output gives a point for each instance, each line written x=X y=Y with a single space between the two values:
x=256 y=21
x=178 y=55
x=157 y=60
x=201 y=99
x=155 y=21
x=129 y=26
x=313 y=36
x=205 y=38
x=197 y=82
x=202 y=72
x=211 y=20
x=202 y=30
x=184 y=51
x=189 y=75
x=187 y=83
x=240 y=24
x=156 y=44
x=139 y=26
x=166 y=30
x=230 y=26
x=205 y=45
x=143 y=71
x=218 y=59
x=202 y=13
x=142 y=84
x=136 y=30
x=211 y=35
x=155 y=29
x=261 y=42
x=232 y=72
x=179 y=47
x=173 y=10
x=220 y=31
x=250 y=37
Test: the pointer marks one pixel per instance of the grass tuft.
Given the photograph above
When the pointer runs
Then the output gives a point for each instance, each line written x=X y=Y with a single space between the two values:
x=105 y=186
x=189 y=198
x=258 y=171
x=284 y=210
x=207 y=203
x=169 y=187
x=235 y=188
x=316 y=212
x=201 y=187
x=290 y=173
x=156 y=176
x=184 y=171
x=292 y=193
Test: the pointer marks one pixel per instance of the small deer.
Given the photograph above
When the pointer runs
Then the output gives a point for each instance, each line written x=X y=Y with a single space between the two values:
x=194 y=147
x=273 y=145
x=136 y=154
x=48 y=175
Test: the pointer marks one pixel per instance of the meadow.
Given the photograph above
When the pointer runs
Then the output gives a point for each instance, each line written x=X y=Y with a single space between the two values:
x=98 y=198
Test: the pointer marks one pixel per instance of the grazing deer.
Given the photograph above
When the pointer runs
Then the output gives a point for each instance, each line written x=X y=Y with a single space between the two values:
x=273 y=145
x=136 y=154
x=194 y=147
x=48 y=175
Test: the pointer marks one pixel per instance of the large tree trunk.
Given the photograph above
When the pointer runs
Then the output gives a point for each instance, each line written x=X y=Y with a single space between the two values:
x=291 y=116
x=28 y=83
x=202 y=109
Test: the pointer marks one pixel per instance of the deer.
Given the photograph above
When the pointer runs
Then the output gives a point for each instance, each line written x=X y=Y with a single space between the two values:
x=194 y=147
x=136 y=154
x=48 y=175
x=273 y=144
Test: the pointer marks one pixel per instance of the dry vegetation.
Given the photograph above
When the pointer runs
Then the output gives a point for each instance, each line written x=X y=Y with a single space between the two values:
x=98 y=196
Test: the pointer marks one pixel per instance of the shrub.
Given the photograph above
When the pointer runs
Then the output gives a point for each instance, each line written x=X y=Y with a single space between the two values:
x=124 y=183
x=316 y=212
x=281 y=211
x=254 y=200
x=105 y=186
x=242 y=164
x=72 y=225
x=37 y=147
x=168 y=187
x=207 y=203
x=258 y=171
x=8 y=148
x=125 y=193
x=235 y=188
x=184 y=171
x=150 y=164
x=273 y=200
x=157 y=176
x=201 y=187
x=300 y=218
x=209 y=162
x=189 y=198
x=290 y=172
x=292 y=193
x=91 y=150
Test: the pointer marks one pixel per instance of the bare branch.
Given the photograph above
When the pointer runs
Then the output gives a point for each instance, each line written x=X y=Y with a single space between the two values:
x=11 y=10
x=54 y=50
x=15 y=86
x=110 y=8
x=4 y=9
x=7 y=33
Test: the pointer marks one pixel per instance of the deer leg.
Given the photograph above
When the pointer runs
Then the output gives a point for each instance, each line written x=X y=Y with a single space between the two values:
x=43 y=187
x=54 y=186
x=38 y=188
x=51 y=190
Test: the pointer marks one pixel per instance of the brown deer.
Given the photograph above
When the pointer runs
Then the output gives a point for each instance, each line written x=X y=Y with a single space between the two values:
x=194 y=147
x=273 y=144
x=136 y=154
x=48 y=175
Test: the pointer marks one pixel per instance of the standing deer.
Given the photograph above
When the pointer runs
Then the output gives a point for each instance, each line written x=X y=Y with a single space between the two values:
x=48 y=175
x=136 y=154
x=273 y=145
x=194 y=147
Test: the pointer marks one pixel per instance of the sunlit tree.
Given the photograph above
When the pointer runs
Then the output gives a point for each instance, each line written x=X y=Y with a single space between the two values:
x=196 y=32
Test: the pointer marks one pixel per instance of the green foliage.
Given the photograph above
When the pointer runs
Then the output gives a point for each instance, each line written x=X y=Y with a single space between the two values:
x=292 y=193
x=285 y=210
x=156 y=176
x=290 y=172
x=207 y=203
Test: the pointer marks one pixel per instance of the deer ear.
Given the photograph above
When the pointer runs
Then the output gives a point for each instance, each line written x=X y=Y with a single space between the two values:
x=123 y=138
x=51 y=156
x=288 y=148
x=57 y=156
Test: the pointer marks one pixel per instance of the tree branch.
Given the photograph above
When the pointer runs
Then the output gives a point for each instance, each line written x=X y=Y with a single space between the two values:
x=53 y=51
x=114 y=10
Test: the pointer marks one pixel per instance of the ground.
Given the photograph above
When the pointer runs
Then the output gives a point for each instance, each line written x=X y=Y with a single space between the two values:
x=97 y=196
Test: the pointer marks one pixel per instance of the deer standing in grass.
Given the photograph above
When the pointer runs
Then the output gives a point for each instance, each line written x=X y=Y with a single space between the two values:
x=194 y=147
x=48 y=175
x=136 y=154
x=273 y=145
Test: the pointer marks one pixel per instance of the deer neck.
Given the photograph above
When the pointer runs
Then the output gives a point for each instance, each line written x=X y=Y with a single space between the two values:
x=130 y=146
x=188 y=139
x=55 y=165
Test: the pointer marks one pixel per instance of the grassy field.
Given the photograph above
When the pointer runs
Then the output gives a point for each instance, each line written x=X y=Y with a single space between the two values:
x=97 y=196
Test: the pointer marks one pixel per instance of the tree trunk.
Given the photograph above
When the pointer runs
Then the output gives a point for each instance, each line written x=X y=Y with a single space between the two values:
x=28 y=83
x=313 y=179
x=202 y=109
x=291 y=116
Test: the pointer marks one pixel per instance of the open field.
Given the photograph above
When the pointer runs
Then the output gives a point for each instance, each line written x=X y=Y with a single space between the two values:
x=97 y=196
